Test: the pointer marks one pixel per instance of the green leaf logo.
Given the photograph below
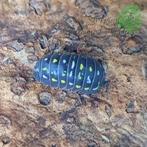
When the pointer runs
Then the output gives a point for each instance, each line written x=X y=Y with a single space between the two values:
x=129 y=18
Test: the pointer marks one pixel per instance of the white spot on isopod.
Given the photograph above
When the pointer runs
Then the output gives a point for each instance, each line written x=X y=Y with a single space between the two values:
x=70 y=75
x=70 y=83
x=45 y=77
x=63 y=74
x=45 y=59
x=64 y=61
x=73 y=64
x=88 y=80
x=37 y=69
x=98 y=73
x=44 y=69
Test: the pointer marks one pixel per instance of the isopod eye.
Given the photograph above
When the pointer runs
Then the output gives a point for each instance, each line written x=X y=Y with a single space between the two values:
x=37 y=71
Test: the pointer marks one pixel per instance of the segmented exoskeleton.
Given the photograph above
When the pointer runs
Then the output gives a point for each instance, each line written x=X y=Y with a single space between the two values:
x=71 y=72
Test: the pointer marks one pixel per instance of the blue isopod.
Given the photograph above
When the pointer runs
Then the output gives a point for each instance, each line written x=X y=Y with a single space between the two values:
x=73 y=72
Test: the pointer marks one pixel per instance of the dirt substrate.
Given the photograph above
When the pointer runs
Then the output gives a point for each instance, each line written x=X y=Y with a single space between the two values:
x=33 y=115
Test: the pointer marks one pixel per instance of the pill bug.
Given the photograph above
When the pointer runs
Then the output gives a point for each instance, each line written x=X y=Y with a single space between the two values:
x=73 y=72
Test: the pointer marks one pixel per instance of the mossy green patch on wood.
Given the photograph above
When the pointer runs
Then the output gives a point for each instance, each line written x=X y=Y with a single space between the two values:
x=129 y=18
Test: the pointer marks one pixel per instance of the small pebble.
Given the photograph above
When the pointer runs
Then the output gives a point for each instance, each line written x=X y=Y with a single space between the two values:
x=45 y=98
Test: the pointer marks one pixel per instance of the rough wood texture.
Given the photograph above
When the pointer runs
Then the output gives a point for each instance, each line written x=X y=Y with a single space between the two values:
x=32 y=115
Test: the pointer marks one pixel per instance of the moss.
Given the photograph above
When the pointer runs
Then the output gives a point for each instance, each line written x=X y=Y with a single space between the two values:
x=129 y=18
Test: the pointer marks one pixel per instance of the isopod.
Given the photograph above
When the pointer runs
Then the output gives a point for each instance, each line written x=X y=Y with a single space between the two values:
x=73 y=72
